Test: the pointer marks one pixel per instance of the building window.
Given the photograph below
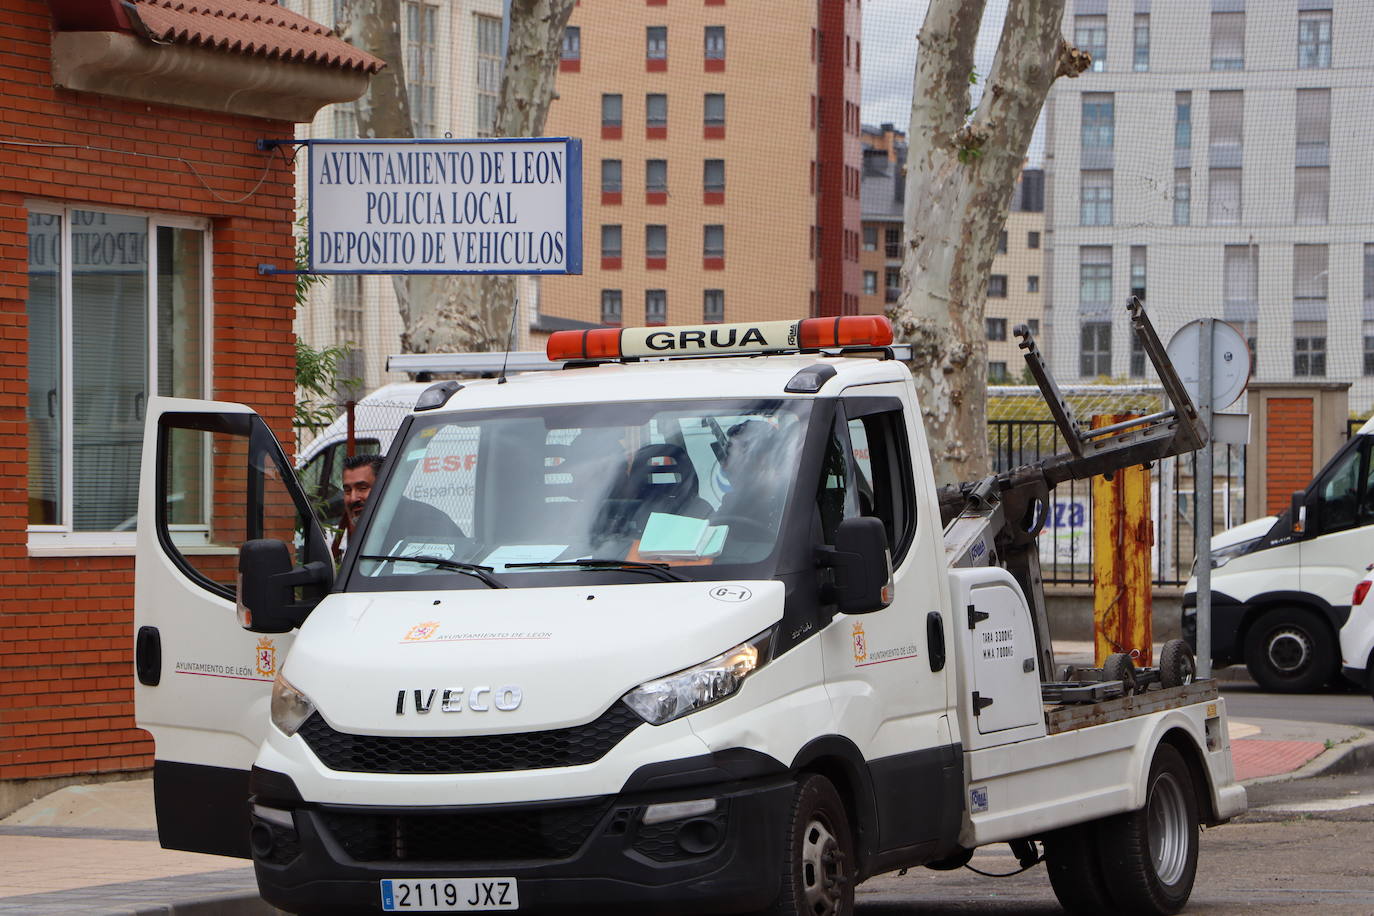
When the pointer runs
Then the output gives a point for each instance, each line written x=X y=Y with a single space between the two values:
x=1096 y=203
x=892 y=284
x=655 y=306
x=421 y=21
x=1002 y=242
x=656 y=42
x=1033 y=240
x=1311 y=193
x=1090 y=34
x=714 y=109
x=656 y=109
x=1138 y=272
x=997 y=373
x=1033 y=325
x=713 y=242
x=1183 y=120
x=1240 y=279
x=996 y=328
x=126 y=320
x=713 y=306
x=1094 y=276
x=713 y=175
x=1369 y=276
x=611 y=307
x=612 y=105
x=1228 y=41
x=1309 y=279
x=610 y=176
x=892 y=243
x=1142 y=42
x=870 y=238
x=572 y=43
x=1033 y=283
x=715 y=42
x=1226 y=126
x=1309 y=349
x=1183 y=196
x=870 y=283
x=610 y=242
x=1137 y=368
x=490 y=62
x=1224 y=197
x=656 y=241
x=656 y=175
x=1095 y=349
x=997 y=286
x=1314 y=40
x=1099 y=117
x=1369 y=348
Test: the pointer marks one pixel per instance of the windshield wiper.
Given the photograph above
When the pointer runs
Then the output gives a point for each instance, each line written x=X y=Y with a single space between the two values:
x=472 y=569
x=659 y=569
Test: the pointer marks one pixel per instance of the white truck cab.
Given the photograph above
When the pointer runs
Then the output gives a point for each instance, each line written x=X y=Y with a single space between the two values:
x=1281 y=590
x=641 y=635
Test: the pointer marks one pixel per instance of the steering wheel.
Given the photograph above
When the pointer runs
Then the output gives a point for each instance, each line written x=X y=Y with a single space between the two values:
x=746 y=526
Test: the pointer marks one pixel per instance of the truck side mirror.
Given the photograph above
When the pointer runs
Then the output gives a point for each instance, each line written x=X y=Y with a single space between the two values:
x=862 y=566
x=1298 y=513
x=267 y=586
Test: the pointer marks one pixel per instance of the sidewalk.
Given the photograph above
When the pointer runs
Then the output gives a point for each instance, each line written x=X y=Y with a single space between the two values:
x=93 y=849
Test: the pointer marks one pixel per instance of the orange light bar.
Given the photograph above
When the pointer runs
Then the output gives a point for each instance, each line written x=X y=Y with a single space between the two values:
x=846 y=331
x=599 y=343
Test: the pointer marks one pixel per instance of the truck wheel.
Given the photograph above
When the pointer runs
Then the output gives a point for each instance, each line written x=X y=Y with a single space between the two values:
x=1176 y=665
x=1075 y=870
x=819 y=871
x=1119 y=667
x=1289 y=651
x=1149 y=856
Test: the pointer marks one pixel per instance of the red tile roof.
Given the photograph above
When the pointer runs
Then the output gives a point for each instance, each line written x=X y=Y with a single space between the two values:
x=259 y=28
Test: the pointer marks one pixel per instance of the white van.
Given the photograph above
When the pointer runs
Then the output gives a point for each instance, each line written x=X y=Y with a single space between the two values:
x=1281 y=586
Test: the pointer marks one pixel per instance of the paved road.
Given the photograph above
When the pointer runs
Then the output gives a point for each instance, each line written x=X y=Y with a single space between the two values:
x=1343 y=707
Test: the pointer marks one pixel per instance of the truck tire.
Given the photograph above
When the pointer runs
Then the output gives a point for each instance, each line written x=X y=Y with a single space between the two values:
x=818 y=874
x=1290 y=651
x=1176 y=665
x=1149 y=856
x=1075 y=870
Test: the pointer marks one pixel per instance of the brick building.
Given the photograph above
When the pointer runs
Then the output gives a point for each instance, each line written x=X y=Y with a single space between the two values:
x=722 y=152
x=135 y=208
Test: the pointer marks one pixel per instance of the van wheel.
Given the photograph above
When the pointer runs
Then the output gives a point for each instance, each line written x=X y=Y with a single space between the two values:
x=820 y=867
x=1289 y=651
x=1075 y=870
x=1149 y=856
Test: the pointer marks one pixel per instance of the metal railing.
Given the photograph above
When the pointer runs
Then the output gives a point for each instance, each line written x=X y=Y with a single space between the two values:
x=1066 y=548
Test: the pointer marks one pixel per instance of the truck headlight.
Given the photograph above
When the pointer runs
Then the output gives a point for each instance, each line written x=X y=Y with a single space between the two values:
x=667 y=698
x=290 y=707
x=1224 y=555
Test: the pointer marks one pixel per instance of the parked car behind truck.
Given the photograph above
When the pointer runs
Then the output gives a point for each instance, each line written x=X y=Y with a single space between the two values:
x=1281 y=585
x=592 y=682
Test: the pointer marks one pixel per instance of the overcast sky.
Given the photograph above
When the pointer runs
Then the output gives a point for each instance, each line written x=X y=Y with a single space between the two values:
x=889 y=57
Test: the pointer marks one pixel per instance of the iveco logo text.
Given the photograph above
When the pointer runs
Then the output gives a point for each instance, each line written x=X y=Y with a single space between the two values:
x=479 y=699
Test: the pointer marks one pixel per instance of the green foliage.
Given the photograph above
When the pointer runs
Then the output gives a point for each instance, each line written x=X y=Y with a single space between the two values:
x=304 y=282
x=318 y=380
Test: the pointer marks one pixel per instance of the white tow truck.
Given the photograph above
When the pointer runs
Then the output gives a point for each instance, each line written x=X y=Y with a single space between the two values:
x=685 y=627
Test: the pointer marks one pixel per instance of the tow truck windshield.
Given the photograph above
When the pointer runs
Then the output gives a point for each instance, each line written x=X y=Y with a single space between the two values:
x=556 y=494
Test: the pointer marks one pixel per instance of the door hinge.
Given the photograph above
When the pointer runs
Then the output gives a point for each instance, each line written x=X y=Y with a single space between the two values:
x=976 y=616
x=980 y=703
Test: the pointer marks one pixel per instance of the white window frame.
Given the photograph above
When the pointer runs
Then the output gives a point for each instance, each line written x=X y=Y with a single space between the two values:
x=60 y=540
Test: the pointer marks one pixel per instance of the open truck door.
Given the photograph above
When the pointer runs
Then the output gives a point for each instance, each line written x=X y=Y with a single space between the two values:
x=213 y=477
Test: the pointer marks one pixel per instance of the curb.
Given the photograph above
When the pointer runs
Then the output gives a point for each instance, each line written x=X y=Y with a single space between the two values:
x=1347 y=757
x=225 y=905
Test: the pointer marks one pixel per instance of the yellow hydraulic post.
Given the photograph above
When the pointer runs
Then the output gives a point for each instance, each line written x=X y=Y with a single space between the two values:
x=1122 y=537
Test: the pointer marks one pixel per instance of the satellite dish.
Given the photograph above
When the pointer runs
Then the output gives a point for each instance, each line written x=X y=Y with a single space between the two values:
x=1230 y=361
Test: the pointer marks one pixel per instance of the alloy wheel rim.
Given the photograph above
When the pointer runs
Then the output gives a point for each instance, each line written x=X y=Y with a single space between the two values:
x=1167 y=821
x=823 y=877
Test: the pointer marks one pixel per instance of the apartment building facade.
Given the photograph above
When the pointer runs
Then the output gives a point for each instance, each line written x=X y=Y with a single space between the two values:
x=722 y=160
x=1214 y=161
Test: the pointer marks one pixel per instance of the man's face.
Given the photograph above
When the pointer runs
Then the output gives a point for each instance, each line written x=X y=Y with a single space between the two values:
x=357 y=486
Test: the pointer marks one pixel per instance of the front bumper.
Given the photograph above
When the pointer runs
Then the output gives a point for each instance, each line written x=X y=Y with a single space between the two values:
x=589 y=855
x=1228 y=615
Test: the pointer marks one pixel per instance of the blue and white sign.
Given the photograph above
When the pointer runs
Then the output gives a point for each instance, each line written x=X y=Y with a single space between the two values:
x=503 y=206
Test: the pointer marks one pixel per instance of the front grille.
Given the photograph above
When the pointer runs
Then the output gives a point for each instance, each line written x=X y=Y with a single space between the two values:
x=488 y=836
x=559 y=747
